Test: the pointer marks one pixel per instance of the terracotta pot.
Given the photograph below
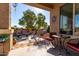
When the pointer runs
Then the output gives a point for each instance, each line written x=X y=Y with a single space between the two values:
x=14 y=41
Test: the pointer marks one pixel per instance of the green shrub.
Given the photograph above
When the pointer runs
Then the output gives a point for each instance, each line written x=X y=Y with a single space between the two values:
x=4 y=36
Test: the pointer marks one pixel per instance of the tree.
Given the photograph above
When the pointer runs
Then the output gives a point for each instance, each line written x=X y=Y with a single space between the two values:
x=48 y=29
x=22 y=22
x=15 y=26
x=41 y=21
x=28 y=19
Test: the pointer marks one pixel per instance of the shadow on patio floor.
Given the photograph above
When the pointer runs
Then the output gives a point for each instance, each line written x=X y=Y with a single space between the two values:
x=57 y=52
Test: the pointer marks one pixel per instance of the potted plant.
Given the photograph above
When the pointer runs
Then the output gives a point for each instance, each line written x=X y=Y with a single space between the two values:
x=3 y=37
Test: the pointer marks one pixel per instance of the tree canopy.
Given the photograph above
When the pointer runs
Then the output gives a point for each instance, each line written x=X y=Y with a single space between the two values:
x=31 y=21
x=41 y=21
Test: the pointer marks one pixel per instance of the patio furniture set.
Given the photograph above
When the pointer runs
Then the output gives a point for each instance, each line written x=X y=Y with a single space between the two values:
x=58 y=40
x=69 y=43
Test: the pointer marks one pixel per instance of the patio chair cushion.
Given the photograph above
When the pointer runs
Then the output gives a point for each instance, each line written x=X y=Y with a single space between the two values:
x=73 y=46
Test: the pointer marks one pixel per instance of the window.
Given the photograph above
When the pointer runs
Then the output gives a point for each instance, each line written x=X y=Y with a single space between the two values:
x=63 y=21
x=77 y=18
x=66 y=19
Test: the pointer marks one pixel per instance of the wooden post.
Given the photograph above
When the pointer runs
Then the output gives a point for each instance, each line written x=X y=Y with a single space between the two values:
x=73 y=19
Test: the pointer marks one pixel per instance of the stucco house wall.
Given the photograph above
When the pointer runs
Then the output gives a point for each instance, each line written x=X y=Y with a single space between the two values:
x=4 y=16
x=5 y=28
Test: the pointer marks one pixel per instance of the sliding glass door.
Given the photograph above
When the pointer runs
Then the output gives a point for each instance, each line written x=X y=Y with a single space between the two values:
x=77 y=19
x=66 y=19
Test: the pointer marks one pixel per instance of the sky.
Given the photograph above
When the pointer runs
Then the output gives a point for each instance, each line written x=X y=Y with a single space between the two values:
x=17 y=13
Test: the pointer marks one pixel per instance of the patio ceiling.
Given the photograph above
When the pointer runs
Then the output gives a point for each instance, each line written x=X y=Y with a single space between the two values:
x=48 y=5
x=52 y=5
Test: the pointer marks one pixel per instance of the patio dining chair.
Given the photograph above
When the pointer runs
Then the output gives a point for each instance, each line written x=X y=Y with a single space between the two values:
x=49 y=37
x=55 y=39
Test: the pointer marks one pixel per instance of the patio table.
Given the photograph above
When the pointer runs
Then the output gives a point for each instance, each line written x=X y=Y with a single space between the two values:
x=61 y=42
x=64 y=38
x=57 y=37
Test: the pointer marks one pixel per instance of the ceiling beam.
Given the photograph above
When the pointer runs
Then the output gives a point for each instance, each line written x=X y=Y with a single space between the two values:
x=38 y=5
x=49 y=5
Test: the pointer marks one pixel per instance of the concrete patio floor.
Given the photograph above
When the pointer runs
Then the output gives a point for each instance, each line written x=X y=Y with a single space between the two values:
x=21 y=49
x=29 y=51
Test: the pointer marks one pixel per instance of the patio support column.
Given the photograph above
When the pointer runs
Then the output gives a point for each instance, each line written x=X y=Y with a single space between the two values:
x=5 y=27
x=11 y=34
x=56 y=13
x=4 y=19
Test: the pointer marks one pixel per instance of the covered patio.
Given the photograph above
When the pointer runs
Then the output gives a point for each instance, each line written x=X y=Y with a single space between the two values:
x=43 y=48
x=63 y=36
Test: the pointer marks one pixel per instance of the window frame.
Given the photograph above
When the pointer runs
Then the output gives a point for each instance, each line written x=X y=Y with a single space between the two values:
x=62 y=21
